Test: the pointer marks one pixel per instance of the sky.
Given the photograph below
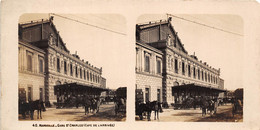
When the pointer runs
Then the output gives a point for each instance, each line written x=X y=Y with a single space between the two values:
x=219 y=49
x=99 y=47
x=112 y=51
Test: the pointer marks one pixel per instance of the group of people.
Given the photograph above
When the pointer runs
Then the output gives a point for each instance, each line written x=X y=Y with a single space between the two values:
x=75 y=100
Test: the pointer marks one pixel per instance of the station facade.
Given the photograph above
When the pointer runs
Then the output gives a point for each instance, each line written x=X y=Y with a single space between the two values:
x=178 y=67
x=45 y=61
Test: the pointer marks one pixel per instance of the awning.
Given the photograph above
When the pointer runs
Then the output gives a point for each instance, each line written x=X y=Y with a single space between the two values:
x=79 y=86
x=194 y=86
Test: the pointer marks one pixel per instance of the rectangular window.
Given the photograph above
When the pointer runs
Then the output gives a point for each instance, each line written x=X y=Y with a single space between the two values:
x=176 y=65
x=40 y=65
x=29 y=61
x=65 y=67
x=198 y=74
x=189 y=73
x=206 y=77
x=147 y=94
x=71 y=70
x=147 y=64
x=202 y=75
x=41 y=94
x=58 y=65
x=87 y=75
x=158 y=95
x=183 y=68
x=84 y=74
x=29 y=93
x=80 y=73
x=194 y=73
x=76 y=71
x=158 y=67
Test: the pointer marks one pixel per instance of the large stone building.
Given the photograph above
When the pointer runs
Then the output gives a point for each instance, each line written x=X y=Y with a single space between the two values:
x=161 y=41
x=45 y=61
x=149 y=71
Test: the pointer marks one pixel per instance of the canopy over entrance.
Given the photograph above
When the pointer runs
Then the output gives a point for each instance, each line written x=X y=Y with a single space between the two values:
x=197 y=87
x=78 y=86
x=72 y=94
x=184 y=92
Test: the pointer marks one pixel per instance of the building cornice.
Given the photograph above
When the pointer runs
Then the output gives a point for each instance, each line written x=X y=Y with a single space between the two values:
x=31 y=47
x=150 y=48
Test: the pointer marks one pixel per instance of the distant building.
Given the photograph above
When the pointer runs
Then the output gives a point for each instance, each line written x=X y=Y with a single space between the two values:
x=159 y=46
x=45 y=61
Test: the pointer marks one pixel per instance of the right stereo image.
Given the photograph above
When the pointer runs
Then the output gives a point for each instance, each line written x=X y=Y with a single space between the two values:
x=188 y=68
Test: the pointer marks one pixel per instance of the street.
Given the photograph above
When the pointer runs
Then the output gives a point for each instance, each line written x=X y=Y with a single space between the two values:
x=106 y=113
x=224 y=114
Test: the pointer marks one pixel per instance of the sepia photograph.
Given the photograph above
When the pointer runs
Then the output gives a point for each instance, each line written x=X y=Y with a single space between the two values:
x=188 y=68
x=66 y=70
x=129 y=65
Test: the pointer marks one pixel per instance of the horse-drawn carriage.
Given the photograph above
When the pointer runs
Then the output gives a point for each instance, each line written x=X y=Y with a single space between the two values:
x=120 y=100
x=145 y=109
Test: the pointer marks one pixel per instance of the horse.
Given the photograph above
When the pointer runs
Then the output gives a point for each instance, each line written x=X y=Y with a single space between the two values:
x=24 y=108
x=197 y=102
x=143 y=108
x=36 y=105
x=87 y=105
x=156 y=107
x=204 y=106
x=95 y=103
x=211 y=106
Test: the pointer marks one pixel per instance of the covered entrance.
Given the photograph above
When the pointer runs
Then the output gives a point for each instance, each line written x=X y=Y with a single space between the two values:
x=185 y=92
x=72 y=94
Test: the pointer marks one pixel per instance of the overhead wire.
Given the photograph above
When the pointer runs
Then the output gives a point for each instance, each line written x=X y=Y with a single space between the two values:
x=205 y=25
x=85 y=23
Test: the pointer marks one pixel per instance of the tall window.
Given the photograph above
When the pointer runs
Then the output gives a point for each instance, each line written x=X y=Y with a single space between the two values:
x=194 y=72
x=76 y=71
x=87 y=75
x=147 y=94
x=41 y=94
x=202 y=75
x=80 y=73
x=90 y=76
x=176 y=65
x=198 y=73
x=84 y=72
x=189 y=73
x=147 y=64
x=71 y=70
x=29 y=61
x=58 y=65
x=183 y=68
x=29 y=93
x=158 y=66
x=211 y=78
x=40 y=65
x=65 y=67
x=206 y=79
x=94 y=80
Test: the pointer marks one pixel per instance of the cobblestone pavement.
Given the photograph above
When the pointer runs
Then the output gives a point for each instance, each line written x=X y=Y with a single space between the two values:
x=224 y=114
x=106 y=113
